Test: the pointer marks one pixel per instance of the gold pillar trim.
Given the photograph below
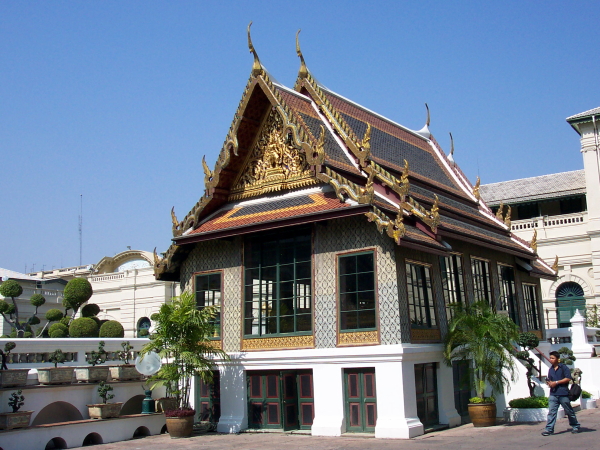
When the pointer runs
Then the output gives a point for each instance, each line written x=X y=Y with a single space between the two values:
x=425 y=335
x=277 y=343
x=358 y=338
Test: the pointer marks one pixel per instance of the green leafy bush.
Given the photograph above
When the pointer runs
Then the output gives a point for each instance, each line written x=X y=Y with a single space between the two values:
x=34 y=320
x=58 y=330
x=529 y=402
x=143 y=332
x=53 y=315
x=585 y=394
x=90 y=310
x=27 y=334
x=112 y=328
x=482 y=400
x=10 y=288
x=76 y=293
x=66 y=321
x=37 y=300
x=83 y=327
x=4 y=306
x=154 y=317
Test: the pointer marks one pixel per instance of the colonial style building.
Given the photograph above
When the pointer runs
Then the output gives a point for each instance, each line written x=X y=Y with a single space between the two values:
x=562 y=213
x=333 y=239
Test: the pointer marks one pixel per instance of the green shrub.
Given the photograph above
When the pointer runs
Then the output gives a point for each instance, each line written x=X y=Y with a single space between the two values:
x=58 y=326
x=90 y=310
x=11 y=309
x=482 y=400
x=143 y=332
x=529 y=402
x=27 y=334
x=66 y=321
x=4 y=306
x=98 y=321
x=53 y=315
x=154 y=317
x=76 y=293
x=112 y=328
x=10 y=288
x=57 y=333
x=13 y=334
x=585 y=394
x=34 y=320
x=37 y=300
x=83 y=327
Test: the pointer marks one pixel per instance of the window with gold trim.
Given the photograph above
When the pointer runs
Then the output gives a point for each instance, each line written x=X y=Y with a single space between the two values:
x=357 y=291
x=208 y=293
x=421 y=305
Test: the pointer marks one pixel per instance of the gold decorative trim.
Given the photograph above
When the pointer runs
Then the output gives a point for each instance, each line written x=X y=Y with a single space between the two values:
x=555 y=265
x=177 y=227
x=273 y=164
x=425 y=335
x=533 y=244
x=275 y=343
x=507 y=216
x=257 y=67
x=500 y=212
x=303 y=72
x=394 y=228
x=398 y=185
x=476 y=189
x=358 y=338
x=316 y=156
x=431 y=218
x=344 y=187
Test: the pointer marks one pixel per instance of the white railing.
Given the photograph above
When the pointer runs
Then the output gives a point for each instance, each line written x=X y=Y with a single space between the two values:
x=32 y=353
x=116 y=276
x=549 y=221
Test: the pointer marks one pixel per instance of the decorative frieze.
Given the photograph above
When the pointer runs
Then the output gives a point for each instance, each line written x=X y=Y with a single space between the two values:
x=358 y=338
x=278 y=343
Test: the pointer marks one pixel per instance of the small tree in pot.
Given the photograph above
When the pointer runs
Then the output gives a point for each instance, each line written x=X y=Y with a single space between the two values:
x=182 y=337
x=105 y=410
x=56 y=375
x=478 y=334
x=125 y=371
x=93 y=373
x=16 y=418
x=11 y=377
x=528 y=341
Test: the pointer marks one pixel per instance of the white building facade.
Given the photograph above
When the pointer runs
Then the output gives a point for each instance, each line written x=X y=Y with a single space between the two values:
x=563 y=211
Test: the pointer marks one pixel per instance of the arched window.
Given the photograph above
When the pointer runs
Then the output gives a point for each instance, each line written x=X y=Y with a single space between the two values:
x=569 y=298
x=143 y=327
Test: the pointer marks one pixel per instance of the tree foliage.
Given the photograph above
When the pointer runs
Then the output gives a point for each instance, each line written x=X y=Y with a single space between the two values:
x=83 y=327
x=479 y=334
x=112 y=329
x=182 y=337
x=10 y=288
x=76 y=293
x=528 y=341
x=10 y=311
x=90 y=310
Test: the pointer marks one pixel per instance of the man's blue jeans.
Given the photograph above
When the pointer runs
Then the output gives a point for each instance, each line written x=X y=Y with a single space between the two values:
x=553 y=403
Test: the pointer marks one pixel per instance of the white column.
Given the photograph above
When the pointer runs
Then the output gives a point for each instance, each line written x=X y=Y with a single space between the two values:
x=234 y=405
x=445 y=385
x=579 y=344
x=396 y=401
x=329 y=400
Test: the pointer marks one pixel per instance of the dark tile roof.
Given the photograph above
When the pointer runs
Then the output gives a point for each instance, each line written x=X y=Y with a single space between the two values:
x=248 y=213
x=416 y=235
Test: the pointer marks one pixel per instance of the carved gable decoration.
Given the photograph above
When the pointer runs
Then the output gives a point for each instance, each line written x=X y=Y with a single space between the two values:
x=273 y=164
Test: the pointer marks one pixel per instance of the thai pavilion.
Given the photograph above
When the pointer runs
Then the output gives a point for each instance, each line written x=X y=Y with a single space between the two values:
x=333 y=240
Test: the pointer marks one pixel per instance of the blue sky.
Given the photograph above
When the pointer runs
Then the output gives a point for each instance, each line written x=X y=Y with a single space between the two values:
x=119 y=100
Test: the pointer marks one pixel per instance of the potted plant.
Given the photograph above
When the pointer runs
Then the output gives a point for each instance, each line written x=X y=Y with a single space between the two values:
x=105 y=410
x=92 y=373
x=16 y=418
x=182 y=337
x=528 y=409
x=587 y=402
x=125 y=371
x=478 y=334
x=56 y=375
x=11 y=377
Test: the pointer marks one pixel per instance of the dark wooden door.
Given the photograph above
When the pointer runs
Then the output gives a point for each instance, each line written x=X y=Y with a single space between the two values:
x=426 y=390
x=360 y=399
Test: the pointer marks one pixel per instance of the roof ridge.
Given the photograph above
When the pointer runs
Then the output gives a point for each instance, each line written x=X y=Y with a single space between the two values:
x=537 y=176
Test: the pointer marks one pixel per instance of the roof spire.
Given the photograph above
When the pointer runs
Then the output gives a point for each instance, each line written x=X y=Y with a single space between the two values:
x=257 y=66
x=425 y=130
x=303 y=72
x=451 y=155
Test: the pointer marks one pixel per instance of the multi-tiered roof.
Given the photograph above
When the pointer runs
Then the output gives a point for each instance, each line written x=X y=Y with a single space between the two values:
x=307 y=154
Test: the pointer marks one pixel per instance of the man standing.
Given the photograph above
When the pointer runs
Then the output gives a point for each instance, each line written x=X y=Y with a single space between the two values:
x=559 y=377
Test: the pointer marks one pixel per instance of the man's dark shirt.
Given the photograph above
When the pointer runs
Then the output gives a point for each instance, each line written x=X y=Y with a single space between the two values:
x=561 y=372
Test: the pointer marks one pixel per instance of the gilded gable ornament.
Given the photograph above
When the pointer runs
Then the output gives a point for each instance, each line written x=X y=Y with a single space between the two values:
x=273 y=164
x=476 y=189
x=507 y=216
x=533 y=244
x=500 y=212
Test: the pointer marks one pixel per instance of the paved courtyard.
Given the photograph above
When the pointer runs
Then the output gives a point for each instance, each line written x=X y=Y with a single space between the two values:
x=519 y=436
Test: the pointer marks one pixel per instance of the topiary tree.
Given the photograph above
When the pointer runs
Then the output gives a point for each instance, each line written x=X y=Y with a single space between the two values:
x=528 y=341
x=10 y=312
x=76 y=293
x=90 y=310
x=83 y=327
x=58 y=330
x=54 y=315
x=111 y=329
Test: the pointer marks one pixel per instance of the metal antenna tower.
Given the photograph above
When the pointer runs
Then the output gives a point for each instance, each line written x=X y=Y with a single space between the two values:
x=80 y=227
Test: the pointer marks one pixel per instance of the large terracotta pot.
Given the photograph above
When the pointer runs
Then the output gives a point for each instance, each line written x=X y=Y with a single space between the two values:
x=20 y=419
x=104 y=410
x=55 y=375
x=124 y=372
x=482 y=414
x=13 y=377
x=91 y=374
x=180 y=427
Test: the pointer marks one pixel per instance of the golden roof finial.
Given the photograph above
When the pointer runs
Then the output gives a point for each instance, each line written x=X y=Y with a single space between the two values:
x=428 y=116
x=476 y=188
x=257 y=66
x=555 y=265
x=500 y=211
x=507 y=216
x=451 y=145
x=366 y=140
x=303 y=72
x=533 y=243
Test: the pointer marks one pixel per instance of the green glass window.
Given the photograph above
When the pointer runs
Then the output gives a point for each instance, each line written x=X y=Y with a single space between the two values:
x=278 y=283
x=482 y=284
x=532 y=307
x=357 y=291
x=452 y=281
x=420 y=296
x=208 y=293
x=508 y=296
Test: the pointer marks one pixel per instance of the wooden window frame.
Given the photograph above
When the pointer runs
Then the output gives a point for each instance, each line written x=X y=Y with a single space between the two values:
x=429 y=307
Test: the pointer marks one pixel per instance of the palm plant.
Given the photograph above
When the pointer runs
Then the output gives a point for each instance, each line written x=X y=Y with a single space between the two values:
x=479 y=334
x=182 y=337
